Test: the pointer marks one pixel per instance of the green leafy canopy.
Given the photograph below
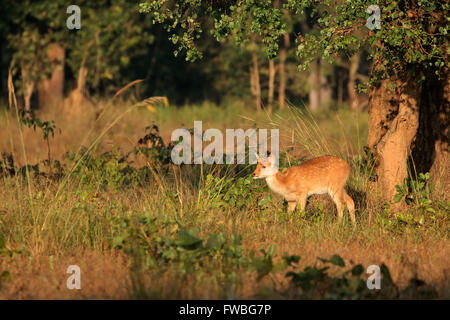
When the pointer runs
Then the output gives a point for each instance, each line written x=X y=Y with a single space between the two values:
x=413 y=34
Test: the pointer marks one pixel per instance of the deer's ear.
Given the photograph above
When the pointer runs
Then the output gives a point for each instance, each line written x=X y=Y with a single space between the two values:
x=271 y=158
x=257 y=157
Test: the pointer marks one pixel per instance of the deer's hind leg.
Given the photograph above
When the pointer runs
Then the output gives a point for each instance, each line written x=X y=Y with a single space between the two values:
x=341 y=198
x=350 y=206
x=338 y=199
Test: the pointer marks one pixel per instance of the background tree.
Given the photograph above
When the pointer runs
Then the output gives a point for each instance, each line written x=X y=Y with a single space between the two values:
x=112 y=34
x=37 y=42
x=264 y=21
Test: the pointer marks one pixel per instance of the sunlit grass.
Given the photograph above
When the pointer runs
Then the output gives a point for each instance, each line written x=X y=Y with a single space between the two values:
x=85 y=211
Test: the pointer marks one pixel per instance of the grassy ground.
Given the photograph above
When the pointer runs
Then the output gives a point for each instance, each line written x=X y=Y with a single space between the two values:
x=140 y=228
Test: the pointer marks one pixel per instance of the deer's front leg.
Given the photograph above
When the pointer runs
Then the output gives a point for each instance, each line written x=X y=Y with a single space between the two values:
x=301 y=201
x=291 y=206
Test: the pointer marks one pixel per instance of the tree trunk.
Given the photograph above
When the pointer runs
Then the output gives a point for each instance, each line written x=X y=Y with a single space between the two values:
x=325 y=90
x=340 y=87
x=78 y=99
x=79 y=94
x=28 y=86
x=314 y=86
x=351 y=85
x=254 y=81
x=282 y=72
x=409 y=125
x=271 y=86
x=393 y=124
x=319 y=88
x=51 y=89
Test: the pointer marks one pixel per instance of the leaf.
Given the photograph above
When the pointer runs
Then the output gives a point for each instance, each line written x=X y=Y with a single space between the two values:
x=291 y=259
x=271 y=250
x=187 y=240
x=262 y=266
x=398 y=197
x=216 y=241
x=357 y=270
x=335 y=259
x=5 y=276
x=431 y=210
x=421 y=220
x=386 y=274
x=119 y=241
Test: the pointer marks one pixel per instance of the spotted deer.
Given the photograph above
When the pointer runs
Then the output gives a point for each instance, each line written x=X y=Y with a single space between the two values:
x=326 y=174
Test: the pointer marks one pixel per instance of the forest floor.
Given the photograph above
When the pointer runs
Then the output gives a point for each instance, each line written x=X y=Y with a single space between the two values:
x=141 y=227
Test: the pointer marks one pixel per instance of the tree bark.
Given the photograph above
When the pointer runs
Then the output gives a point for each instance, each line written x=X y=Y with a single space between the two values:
x=78 y=99
x=325 y=90
x=319 y=89
x=314 y=86
x=254 y=81
x=383 y=108
x=28 y=86
x=79 y=94
x=51 y=90
x=393 y=124
x=409 y=126
x=340 y=87
x=282 y=72
x=271 y=86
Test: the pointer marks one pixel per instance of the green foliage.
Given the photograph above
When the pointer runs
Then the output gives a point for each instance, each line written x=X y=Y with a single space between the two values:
x=111 y=34
x=313 y=280
x=366 y=163
x=28 y=118
x=5 y=276
x=7 y=164
x=109 y=170
x=113 y=169
x=237 y=190
x=418 y=196
x=29 y=19
x=153 y=147
x=316 y=282
x=47 y=128
x=161 y=244
x=412 y=37
x=336 y=260
x=263 y=264
x=240 y=21
x=223 y=192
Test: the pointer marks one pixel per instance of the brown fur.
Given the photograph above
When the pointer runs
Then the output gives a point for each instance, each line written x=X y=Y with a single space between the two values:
x=326 y=174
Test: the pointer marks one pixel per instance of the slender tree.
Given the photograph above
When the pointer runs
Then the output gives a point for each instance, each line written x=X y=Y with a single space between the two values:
x=282 y=71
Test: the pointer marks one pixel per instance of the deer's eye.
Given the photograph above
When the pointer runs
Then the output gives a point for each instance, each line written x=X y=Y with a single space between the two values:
x=263 y=167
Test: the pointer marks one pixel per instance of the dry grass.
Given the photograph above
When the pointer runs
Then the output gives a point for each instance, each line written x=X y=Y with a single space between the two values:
x=74 y=222
x=105 y=275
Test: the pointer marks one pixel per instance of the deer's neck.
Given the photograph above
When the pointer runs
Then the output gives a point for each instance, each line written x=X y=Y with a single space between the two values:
x=275 y=184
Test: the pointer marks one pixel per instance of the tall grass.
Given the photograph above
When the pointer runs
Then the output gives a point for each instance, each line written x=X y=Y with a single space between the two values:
x=136 y=208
